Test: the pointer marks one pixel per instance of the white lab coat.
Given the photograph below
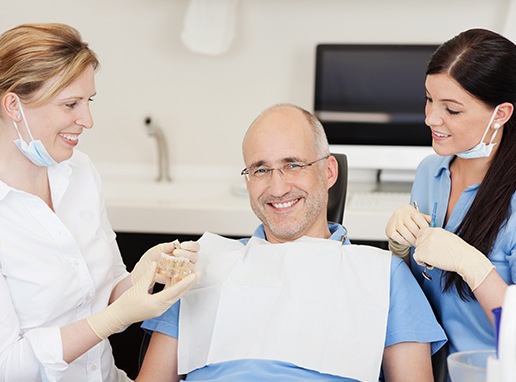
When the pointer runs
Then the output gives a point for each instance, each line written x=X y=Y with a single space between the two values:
x=55 y=269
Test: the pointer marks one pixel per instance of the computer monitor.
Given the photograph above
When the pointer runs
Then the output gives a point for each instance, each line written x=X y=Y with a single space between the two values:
x=370 y=100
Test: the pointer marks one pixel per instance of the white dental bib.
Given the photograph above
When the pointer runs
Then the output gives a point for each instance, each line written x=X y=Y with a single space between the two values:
x=313 y=302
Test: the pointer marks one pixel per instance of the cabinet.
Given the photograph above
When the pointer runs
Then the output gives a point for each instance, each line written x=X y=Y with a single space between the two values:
x=126 y=345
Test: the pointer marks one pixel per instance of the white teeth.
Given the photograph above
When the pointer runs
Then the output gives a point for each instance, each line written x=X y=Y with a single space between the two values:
x=283 y=205
x=440 y=135
x=70 y=137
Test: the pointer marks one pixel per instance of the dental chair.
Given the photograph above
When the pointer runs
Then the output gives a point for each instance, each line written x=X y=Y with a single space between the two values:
x=335 y=213
x=337 y=193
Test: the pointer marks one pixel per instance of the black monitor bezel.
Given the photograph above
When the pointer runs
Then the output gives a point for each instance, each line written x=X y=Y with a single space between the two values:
x=371 y=133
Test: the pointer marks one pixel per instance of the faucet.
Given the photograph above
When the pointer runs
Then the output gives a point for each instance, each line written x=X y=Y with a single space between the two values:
x=163 y=165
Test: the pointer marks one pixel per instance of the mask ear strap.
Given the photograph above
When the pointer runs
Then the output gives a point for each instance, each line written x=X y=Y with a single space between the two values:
x=24 y=120
x=17 y=130
x=488 y=126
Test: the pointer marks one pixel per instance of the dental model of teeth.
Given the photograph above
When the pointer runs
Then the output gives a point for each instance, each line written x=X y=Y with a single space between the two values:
x=174 y=267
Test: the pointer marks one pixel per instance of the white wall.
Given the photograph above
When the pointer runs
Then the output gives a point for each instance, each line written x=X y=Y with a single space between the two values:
x=205 y=103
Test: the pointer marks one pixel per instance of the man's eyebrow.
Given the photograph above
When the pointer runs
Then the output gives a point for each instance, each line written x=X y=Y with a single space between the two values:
x=265 y=163
x=257 y=164
x=291 y=159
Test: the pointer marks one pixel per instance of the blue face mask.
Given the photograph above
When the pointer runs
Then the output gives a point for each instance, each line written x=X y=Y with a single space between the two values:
x=482 y=150
x=35 y=151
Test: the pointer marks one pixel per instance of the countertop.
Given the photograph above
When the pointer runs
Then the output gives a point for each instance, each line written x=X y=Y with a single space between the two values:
x=200 y=199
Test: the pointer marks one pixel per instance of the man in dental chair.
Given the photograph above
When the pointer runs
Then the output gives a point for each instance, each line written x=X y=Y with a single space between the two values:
x=296 y=301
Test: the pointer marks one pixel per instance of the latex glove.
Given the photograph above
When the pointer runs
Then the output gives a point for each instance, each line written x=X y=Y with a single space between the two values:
x=403 y=227
x=398 y=249
x=137 y=304
x=188 y=249
x=447 y=251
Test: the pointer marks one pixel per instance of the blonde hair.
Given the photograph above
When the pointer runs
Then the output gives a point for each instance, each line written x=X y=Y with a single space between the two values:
x=33 y=54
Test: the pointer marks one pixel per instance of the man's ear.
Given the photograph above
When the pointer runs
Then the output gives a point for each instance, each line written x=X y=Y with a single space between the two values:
x=332 y=169
x=11 y=106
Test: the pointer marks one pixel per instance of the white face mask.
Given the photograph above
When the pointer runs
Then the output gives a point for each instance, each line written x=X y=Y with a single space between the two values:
x=35 y=151
x=482 y=150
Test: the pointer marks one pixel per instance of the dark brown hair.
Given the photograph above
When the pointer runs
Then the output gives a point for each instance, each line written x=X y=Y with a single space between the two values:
x=483 y=63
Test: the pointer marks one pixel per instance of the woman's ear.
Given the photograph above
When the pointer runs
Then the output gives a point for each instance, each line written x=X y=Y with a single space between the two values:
x=11 y=106
x=504 y=113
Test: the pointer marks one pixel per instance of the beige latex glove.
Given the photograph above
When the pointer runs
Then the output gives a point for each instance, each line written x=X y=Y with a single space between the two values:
x=403 y=227
x=136 y=304
x=447 y=251
x=188 y=249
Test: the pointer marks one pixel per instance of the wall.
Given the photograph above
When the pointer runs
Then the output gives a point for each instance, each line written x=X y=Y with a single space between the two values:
x=205 y=103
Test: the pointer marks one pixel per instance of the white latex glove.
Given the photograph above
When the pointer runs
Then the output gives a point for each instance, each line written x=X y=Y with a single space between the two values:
x=403 y=227
x=137 y=304
x=188 y=249
x=447 y=251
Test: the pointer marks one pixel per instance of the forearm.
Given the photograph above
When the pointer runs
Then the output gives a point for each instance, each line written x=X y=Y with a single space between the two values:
x=407 y=362
x=120 y=288
x=490 y=293
x=160 y=362
x=77 y=338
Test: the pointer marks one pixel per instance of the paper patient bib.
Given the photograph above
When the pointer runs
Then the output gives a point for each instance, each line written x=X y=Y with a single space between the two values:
x=312 y=302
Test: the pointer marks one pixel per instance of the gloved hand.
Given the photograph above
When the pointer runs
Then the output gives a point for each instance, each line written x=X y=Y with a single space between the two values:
x=136 y=304
x=188 y=249
x=447 y=251
x=402 y=229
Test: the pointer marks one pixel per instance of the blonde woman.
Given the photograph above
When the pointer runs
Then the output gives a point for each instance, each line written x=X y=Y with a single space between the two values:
x=63 y=286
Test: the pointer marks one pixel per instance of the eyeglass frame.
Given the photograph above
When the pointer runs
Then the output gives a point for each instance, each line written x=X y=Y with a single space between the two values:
x=247 y=171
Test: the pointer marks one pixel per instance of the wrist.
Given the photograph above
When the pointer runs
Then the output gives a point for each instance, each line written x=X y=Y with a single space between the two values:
x=398 y=249
x=105 y=322
x=477 y=270
x=96 y=324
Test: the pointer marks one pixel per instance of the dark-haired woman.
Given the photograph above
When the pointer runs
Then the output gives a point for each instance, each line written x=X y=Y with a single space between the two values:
x=471 y=93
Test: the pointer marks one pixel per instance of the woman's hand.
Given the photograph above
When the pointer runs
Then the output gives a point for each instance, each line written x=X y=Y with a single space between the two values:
x=403 y=227
x=137 y=304
x=447 y=251
x=188 y=249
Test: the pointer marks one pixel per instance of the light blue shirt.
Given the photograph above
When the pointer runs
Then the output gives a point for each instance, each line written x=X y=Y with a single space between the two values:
x=410 y=319
x=465 y=323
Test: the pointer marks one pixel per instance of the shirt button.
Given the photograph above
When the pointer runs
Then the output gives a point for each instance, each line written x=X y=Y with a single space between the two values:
x=93 y=367
x=88 y=297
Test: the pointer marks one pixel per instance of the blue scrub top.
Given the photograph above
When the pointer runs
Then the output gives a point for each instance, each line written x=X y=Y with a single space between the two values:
x=465 y=323
x=410 y=319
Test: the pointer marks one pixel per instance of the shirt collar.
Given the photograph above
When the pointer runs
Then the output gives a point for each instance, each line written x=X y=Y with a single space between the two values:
x=4 y=190
x=444 y=165
x=60 y=172
x=338 y=232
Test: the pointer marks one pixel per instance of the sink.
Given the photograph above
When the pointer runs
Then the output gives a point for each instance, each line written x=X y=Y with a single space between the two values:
x=123 y=191
x=191 y=203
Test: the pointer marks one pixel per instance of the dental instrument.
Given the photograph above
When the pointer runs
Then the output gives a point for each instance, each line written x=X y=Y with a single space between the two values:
x=425 y=274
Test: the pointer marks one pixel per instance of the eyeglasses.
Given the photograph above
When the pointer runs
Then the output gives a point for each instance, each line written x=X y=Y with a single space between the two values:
x=287 y=171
